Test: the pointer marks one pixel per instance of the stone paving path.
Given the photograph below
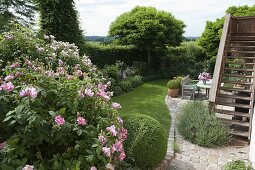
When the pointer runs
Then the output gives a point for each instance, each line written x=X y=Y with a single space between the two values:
x=194 y=157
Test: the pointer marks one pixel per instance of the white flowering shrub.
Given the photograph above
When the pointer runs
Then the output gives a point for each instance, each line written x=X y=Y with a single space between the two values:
x=55 y=109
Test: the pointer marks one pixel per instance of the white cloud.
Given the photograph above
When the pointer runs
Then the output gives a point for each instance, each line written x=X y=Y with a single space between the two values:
x=97 y=15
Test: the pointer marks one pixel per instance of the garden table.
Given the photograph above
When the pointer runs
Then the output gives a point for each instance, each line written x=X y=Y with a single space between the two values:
x=207 y=86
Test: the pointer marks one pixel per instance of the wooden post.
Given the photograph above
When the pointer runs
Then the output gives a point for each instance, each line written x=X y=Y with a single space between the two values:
x=220 y=55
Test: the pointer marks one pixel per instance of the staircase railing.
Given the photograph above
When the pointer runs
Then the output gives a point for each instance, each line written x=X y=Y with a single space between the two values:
x=219 y=61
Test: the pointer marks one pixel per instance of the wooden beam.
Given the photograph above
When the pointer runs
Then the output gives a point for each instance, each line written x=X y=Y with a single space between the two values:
x=219 y=60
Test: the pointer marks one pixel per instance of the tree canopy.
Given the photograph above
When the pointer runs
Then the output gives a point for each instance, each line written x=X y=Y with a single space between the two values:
x=147 y=27
x=16 y=10
x=60 y=18
x=210 y=38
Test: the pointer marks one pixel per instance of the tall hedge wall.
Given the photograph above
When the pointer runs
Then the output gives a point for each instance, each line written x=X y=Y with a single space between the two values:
x=108 y=54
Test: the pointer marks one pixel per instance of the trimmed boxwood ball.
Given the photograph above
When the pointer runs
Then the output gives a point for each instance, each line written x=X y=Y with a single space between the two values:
x=146 y=145
x=201 y=127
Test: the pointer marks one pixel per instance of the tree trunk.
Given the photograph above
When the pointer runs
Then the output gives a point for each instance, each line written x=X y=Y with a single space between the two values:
x=149 y=57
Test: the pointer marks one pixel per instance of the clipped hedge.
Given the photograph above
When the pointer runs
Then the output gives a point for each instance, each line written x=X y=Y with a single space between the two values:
x=197 y=125
x=146 y=145
x=102 y=55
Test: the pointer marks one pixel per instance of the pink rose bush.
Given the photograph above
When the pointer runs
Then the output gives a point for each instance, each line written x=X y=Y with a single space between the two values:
x=58 y=107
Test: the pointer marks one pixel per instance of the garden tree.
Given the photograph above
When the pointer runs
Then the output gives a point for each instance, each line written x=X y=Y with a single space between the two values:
x=60 y=18
x=210 y=38
x=147 y=28
x=21 y=11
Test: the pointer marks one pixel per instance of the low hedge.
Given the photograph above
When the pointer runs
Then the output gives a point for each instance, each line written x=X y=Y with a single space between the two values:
x=102 y=55
x=201 y=127
x=146 y=145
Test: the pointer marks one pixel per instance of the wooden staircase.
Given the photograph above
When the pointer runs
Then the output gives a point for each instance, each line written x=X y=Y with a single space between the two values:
x=232 y=92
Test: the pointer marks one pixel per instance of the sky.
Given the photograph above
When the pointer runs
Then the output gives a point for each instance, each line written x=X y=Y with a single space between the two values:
x=97 y=15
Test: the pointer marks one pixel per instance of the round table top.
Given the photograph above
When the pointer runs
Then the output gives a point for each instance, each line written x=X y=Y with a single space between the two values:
x=208 y=84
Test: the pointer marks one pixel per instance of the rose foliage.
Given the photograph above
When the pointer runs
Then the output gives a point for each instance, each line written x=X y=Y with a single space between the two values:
x=56 y=111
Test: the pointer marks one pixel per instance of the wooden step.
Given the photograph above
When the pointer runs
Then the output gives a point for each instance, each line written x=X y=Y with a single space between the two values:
x=237 y=82
x=239 y=41
x=234 y=105
x=240 y=57
x=234 y=113
x=242 y=52
x=241 y=46
x=239 y=133
x=235 y=89
x=238 y=75
x=239 y=63
x=240 y=123
x=240 y=69
x=234 y=96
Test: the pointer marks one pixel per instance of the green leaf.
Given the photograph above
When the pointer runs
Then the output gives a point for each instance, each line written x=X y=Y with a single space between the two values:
x=19 y=109
x=10 y=113
x=7 y=118
x=95 y=145
x=90 y=158
x=62 y=111
x=52 y=113
x=12 y=122
x=79 y=132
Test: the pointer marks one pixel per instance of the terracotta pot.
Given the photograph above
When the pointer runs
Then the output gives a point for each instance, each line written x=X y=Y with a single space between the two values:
x=173 y=92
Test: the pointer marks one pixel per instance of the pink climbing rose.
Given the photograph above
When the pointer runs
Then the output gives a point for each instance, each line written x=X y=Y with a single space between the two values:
x=102 y=139
x=116 y=105
x=2 y=145
x=106 y=151
x=93 y=168
x=81 y=121
x=59 y=120
x=15 y=65
x=8 y=86
x=8 y=78
x=112 y=130
x=89 y=92
x=29 y=91
x=28 y=167
x=117 y=146
x=122 y=156
x=109 y=166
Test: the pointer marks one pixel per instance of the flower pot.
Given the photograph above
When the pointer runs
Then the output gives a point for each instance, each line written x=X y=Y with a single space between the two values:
x=204 y=81
x=173 y=92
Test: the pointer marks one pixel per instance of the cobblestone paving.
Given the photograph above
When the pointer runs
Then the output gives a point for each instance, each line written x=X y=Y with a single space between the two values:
x=194 y=157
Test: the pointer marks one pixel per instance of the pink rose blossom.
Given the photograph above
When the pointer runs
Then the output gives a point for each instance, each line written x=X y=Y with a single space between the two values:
x=103 y=95
x=8 y=78
x=89 y=92
x=81 y=121
x=59 y=120
x=19 y=74
x=28 y=63
x=101 y=87
x=117 y=146
x=79 y=73
x=2 y=145
x=69 y=77
x=116 y=105
x=122 y=156
x=29 y=91
x=15 y=65
x=123 y=133
x=112 y=129
x=109 y=166
x=102 y=139
x=8 y=86
x=106 y=151
x=61 y=70
x=28 y=167
x=93 y=168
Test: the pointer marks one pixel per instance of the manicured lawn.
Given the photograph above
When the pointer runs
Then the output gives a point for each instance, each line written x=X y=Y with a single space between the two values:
x=149 y=99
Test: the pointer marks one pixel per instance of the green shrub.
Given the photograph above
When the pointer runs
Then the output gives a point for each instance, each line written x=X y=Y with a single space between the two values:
x=175 y=83
x=56 y=111
x=237 y=165
x=147 y=142
x=102 y=55
x=200 y=127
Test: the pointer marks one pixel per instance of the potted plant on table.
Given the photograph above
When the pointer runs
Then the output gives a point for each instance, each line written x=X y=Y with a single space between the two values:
x=204 y=77
x=174 y=86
